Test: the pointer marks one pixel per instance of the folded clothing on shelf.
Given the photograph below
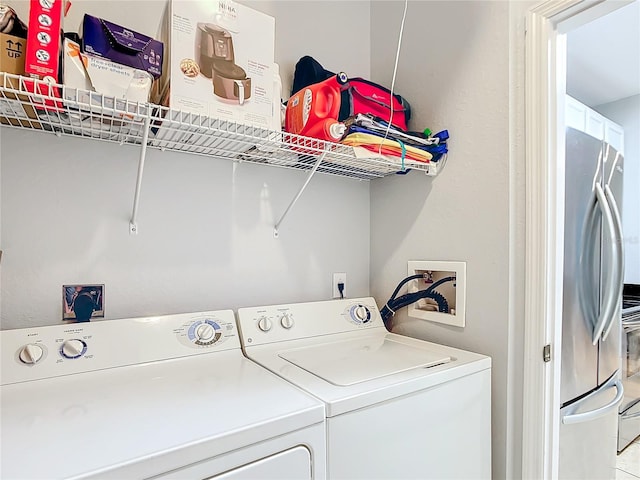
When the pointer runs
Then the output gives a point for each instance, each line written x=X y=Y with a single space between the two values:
x=376 y=135
x=387 y=146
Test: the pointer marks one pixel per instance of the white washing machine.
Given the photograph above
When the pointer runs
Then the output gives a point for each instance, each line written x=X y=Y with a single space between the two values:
x=159 y=397
x=396 y=407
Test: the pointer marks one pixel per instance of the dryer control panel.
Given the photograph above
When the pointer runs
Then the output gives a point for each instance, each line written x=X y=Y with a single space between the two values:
x=44 y=352
x=276 y=323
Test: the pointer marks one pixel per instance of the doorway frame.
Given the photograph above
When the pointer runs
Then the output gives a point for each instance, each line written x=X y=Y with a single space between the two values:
x=545 y=69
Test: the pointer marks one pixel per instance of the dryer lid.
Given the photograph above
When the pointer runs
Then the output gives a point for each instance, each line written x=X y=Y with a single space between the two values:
x=349 y=362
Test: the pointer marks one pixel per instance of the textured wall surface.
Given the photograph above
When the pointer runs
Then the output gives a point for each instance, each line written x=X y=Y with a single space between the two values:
x=456 y=74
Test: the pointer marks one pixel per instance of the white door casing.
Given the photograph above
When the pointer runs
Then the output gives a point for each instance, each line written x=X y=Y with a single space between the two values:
x=545 y=76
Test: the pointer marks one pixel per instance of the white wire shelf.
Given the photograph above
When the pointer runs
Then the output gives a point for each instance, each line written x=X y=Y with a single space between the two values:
x=29 y=104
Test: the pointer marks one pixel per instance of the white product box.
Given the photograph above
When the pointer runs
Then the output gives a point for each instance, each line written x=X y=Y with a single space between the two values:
x=99 y=93
x=84 y=74
x=222 y=62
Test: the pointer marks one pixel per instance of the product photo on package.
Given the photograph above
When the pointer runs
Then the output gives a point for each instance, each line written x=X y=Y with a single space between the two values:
x=222 y=62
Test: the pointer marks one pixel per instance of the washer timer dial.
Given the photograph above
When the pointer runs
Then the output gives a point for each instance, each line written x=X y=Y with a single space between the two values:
x=204 y=332
x=286 y=321
x=73 y=348
x=359 y=314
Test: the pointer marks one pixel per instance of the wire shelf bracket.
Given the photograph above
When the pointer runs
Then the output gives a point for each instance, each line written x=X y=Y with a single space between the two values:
x=133 y=223
x=276 y=228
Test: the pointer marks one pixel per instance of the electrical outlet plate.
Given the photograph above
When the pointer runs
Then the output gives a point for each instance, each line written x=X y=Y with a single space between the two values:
x=339 y=278
x=453 y=292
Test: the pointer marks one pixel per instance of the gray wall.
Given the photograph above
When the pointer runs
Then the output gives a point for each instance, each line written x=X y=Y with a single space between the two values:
x=626 y=113
x=205 y=238
x=454 y=69
x=206 y=231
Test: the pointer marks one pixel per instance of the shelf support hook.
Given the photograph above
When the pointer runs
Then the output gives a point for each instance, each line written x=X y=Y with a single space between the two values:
x=133 y=225
x=299 y=194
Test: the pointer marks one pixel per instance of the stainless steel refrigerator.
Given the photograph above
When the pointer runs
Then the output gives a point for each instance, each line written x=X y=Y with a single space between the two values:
x=591 y=389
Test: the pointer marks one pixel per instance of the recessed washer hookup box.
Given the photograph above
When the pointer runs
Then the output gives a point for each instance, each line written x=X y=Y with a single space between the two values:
x=105 y=39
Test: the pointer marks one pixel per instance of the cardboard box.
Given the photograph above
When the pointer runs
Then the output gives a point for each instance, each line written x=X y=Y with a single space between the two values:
x=44 y=43
x=114 y=84
x=15 y=108
x=12 y=54
x=87 y=73
x=44 y=53
x=101 y=38
x=74 y=74
x=222 y=62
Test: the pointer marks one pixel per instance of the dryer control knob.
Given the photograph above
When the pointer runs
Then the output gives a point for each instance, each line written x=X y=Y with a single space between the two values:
x=361 y=313
x=286 y=321
x=31 y=354
x=264 y=324
x=205 y=332
x=73 y=348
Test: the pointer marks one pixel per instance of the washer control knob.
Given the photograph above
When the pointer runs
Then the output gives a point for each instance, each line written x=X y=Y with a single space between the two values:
x=73 y=348
x=264 y=324
x=205 y=332
x=286 y=321
x=361 y=313
x=31 y=354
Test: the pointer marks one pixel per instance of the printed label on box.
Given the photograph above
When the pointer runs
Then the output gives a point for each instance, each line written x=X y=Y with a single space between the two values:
x=222 y=62
x=14 y=48
x=43 y=40
x=12 y=54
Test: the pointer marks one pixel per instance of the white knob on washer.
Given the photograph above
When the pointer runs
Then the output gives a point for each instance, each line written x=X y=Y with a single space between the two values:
x=72 y=348
x=205 y=332
x=31 y=354
x=286 y=321
x=264 y=324
x=361 y=313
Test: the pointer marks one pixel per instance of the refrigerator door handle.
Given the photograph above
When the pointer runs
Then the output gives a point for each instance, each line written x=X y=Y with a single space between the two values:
x=569 y=417
x=610 y=301
x=618 y=258
x=586 y=287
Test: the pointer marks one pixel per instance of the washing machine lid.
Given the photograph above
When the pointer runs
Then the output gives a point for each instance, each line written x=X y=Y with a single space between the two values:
x=353 y=361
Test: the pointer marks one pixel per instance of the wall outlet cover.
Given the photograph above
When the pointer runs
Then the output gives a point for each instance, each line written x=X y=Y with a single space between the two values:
x=339 y=278
x=446 y=303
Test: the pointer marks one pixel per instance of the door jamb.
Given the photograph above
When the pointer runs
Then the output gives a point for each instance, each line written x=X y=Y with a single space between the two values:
x=545 y=62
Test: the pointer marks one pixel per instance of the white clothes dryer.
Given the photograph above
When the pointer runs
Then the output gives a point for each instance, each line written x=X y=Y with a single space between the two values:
x=158 y=397
x=396 y=407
